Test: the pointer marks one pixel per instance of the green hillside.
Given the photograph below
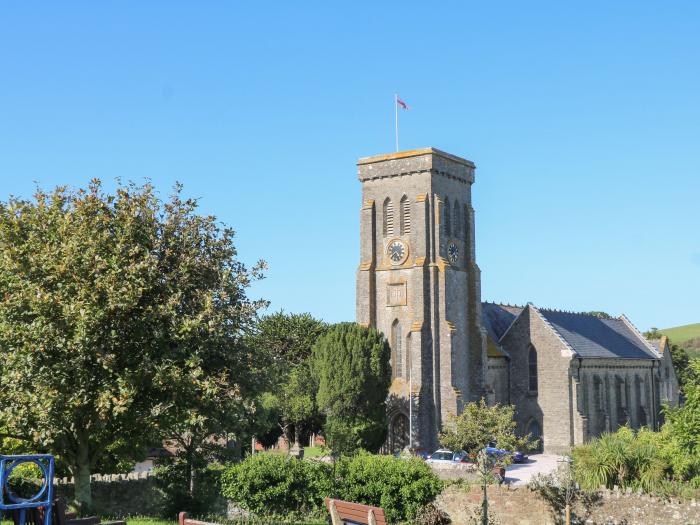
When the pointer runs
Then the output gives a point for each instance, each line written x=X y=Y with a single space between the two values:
x=687 y=336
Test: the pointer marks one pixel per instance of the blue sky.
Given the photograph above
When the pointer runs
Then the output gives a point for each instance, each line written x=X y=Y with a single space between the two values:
x=583 y=120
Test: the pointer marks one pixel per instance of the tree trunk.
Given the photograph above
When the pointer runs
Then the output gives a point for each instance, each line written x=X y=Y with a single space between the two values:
x=81 y=474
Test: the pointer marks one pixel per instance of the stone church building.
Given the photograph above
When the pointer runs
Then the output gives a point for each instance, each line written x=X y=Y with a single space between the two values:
x=570 y=376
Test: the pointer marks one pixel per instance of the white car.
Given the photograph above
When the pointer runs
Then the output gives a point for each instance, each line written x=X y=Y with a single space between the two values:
x=445 y=456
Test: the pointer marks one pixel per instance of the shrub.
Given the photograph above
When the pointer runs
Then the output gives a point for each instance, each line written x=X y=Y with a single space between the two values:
x=399 y=486
x=274 y=484
x=173 y=482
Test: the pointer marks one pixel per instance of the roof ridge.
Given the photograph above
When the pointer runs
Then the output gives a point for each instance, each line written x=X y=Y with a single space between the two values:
x=554 y=330
x=639 y=335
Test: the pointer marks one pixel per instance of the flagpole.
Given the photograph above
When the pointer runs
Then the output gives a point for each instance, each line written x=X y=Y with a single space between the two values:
x=396 y=112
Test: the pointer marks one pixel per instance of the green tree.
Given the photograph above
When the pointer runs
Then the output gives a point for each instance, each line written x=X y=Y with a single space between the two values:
x=683 y=427
x=351 y=365
x=681 y=364
x=285 y=341
x=480 y=424
x=120 y=323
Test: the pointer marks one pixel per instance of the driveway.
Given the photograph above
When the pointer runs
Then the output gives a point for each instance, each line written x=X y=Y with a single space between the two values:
x=521 y=473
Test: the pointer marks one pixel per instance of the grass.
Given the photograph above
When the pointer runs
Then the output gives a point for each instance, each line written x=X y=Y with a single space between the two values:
x=314 y=452
x=681 y=335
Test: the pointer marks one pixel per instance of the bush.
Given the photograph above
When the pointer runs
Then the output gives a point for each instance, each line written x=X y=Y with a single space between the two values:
x=399 y=486
x=172 y=480
x=272 y=484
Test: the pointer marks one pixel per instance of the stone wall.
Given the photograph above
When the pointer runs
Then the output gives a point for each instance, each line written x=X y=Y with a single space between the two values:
x=521 y=506
x=120 y=494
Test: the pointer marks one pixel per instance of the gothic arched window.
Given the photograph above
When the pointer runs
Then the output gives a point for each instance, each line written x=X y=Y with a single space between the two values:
x=467 y=228
x=448 y=222
x=532 y=368
x=397 y=347
x=458 y=221
x=405 y=215
x=388 y=217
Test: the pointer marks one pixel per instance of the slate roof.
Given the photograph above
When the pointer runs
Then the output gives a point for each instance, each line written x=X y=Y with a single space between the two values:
x=592 y=336
x=587 y=335
x=498 y=317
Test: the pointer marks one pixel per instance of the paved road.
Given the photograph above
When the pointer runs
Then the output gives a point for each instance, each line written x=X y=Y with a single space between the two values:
x=520 y=474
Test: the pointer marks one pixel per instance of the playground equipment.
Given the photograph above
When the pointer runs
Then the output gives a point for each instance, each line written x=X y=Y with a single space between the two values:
x=43 y=498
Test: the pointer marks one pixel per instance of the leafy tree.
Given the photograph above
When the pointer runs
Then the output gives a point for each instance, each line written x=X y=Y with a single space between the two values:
x=351 y=365
x=683 y=427
x=681 y=364
x=480 y=424
x=285 y=341
x=599 y=314
x=120 y=324
x=653 y=333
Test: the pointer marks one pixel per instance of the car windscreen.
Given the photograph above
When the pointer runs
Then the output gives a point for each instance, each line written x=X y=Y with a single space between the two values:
x=442 y=455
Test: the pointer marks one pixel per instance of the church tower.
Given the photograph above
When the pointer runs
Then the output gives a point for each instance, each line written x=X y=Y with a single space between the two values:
x=419 y=284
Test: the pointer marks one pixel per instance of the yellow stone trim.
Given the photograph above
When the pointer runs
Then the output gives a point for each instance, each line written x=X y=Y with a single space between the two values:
x=450 y=326
x=420 y=261
x=422 y=197
x=369 y=203
x=414 y=153
x=366 y=266
x=441 y=264
x=417 y=326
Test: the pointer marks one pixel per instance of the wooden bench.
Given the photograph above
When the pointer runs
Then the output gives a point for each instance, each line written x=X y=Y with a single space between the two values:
x=346 y=512
x=184 y=520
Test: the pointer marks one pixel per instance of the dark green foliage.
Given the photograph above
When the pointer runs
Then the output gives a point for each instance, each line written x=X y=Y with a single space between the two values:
x=351 y=366
x=399 y=486
x=276 y=484
x=121 y=324
x=480 y=424
x=273 y=484
x=284 y=342
x=173 y=481
x=686 y=374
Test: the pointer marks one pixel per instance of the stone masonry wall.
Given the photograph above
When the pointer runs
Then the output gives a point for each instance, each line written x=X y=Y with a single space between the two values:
x=120 y=494
x=521 y=506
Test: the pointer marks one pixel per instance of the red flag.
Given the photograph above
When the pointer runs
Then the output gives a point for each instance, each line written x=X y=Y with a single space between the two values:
x=401 y=103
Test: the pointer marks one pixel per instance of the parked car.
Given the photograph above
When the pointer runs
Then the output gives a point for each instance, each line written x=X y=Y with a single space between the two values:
x=446 y=456
x=500 y=453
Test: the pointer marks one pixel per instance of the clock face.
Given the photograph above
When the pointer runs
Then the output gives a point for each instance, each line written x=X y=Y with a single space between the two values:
x=453 y=252
x=397 y=251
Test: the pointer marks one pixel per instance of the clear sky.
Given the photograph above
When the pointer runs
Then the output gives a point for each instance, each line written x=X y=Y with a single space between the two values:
x=583 y=119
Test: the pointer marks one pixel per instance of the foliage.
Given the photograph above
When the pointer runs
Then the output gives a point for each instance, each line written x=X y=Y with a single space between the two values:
x=480 y=424
x=172 y=480
x=683 y=428
x=431 y=514
x=284 y=341
x=681 y=364
x=120 y=323
x=657 y=462
x=274 y=484
x=350 y=364
x=399 y=486
x=557 y=488
x=599 y=314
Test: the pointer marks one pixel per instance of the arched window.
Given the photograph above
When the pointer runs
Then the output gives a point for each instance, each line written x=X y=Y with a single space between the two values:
x=397 y=347
x=398 y=433
x=448 y=222
x=467 y=227
x=388 y=217
x=405 y=215
x=535 y=430
x=532 y=368
x=458 y=221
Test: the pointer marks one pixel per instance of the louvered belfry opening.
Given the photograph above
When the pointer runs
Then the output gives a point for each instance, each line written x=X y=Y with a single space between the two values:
x=405 y=216
x=388 y=217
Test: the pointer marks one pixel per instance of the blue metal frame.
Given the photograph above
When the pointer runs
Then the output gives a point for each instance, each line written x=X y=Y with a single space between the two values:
x=44 y=498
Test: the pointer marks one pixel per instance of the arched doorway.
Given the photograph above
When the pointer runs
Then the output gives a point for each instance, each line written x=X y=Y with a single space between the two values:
x=398 y=433
x=535 y=430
